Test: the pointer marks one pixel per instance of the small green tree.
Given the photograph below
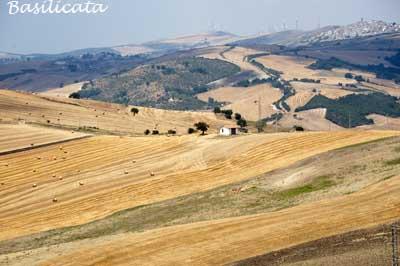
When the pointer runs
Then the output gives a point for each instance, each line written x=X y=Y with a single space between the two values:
x=238 y=116
x=242 y=123
x=75 y=95
x=134 y=111
x=202 y=126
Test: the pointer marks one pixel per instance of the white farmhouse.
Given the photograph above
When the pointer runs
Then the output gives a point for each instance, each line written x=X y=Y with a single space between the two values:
x=229 y=130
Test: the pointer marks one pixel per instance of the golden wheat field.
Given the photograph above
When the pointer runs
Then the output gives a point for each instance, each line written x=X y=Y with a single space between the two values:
x=58 y=112
x=221 y=242
x=20 y=136
x=65 y=91
x=95 y=177
x=296 y=67
x=246 y=100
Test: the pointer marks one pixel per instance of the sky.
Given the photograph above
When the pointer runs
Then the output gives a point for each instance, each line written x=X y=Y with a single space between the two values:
x=138 y=21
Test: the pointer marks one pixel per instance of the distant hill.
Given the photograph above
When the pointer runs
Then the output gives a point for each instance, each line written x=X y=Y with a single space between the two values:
x=171 y=84
x=180 y=43
x=294 y=38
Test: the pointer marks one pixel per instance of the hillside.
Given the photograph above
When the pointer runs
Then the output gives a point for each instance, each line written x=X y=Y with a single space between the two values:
x=138 y=171
x=97 y=117
x=169 y=85
x=41 y=75
x=295 y=38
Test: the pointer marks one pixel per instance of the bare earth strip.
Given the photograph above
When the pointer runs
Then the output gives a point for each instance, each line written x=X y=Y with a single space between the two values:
x=108 y=117
x=229 y=240
x=102 y=175
x=17 y=137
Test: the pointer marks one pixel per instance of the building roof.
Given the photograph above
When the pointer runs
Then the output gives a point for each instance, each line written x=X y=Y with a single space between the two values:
x=230 y=126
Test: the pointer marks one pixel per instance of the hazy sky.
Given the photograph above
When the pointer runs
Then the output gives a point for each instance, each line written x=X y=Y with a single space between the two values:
x=137 y=21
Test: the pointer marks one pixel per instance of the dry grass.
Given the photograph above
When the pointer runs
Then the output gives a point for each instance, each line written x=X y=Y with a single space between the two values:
x=15 y=137
x=245 y=100
x=182 y=165
x=229 y=240
x=296 y=67
x=64 y=92
x=92 y=115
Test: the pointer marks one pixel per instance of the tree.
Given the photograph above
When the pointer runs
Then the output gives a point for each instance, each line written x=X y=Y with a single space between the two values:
x=348 y=76
x=191 y=130
x=242 y=123
x=172 y=132
x=75 y=95
x=155 y=132
x=217 y=110
x=238 y=116
x=147 y=132
x=228 y=114
x=202 y=126
x=134 y=111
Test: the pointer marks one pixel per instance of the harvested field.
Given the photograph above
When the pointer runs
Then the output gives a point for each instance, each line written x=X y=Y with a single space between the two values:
x=306 y=91
x=230 y=240
x=64 y=92
x=237 y=56
x=296 y=67
x=98 y=116
x=313 y=120
x=112 y=182
x=245 y=100
x=16 y=137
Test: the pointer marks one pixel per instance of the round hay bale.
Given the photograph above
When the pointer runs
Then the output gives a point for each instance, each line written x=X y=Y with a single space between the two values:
x=39 y=158
x=55 y=200
x=61 y=178
x=126 y=172
x=34 y=185
x=152 y=174
x=81 y=184
x=54 y=176
x=133 y=161
x=2 y=184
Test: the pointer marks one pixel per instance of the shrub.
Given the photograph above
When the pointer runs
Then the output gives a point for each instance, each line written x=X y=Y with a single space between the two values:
x=349 y=76
x=75 y=95
x=242 y=123
x=147 y=132
x=217 y=110
x=155 y=132
x=172 y=132
x=191 y=130
x=238 y=116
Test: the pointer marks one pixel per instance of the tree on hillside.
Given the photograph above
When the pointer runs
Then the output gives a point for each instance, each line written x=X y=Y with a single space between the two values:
x=242 y=123
x=134 y=111
x=75 y=95
x=217 y=110
x=238 y=116
x=202 y=126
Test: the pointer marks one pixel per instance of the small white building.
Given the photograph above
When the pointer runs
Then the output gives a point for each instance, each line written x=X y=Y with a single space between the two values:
x=229 y=130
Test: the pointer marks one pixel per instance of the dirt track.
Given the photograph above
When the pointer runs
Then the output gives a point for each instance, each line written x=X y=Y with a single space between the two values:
x=111 y=181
